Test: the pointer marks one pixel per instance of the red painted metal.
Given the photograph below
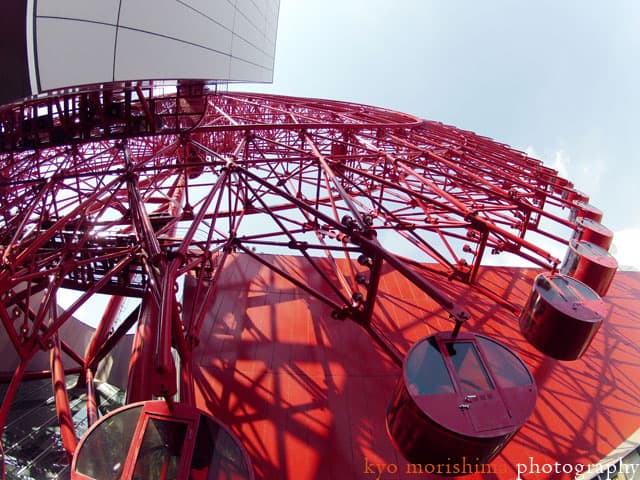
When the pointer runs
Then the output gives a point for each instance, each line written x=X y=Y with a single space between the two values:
x=67 y=430
x=591 y=264
x=10 y=394
x=92 y=406
x=585 y=210
x=175 y=186
x=156 y=440
x=293 y=382
x=561 y=316
x=102 y=331
x=460 y=396
x=147 y=377
x=574 y=195
x=594 y=232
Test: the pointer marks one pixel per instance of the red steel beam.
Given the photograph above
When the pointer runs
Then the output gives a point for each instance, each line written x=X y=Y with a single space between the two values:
x=63 y=410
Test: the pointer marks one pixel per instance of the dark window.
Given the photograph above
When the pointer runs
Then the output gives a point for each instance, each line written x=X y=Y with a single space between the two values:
x=427 y=373
x=216 y=454
x=159 y=456
x=468 y=368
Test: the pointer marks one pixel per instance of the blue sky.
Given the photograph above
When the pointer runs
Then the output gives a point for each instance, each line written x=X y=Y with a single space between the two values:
x=559 y=79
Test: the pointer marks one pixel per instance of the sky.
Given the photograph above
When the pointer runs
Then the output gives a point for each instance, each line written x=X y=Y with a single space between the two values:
x=557 y=79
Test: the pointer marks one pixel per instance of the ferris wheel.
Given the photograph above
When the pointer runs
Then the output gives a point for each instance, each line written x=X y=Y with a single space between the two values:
x=138 y=194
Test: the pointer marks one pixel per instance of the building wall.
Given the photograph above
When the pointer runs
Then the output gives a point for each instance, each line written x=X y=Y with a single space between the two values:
x=307 y=394
x=113 y=368
x=69 y=43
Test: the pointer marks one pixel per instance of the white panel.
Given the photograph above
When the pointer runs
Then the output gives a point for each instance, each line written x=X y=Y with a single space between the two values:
x=244 y=51
x=174 y=20
x=271 y=27
x=273 y=7
x=31 y=47
x=157 y=39
x=105 y=11
x=255 y=16
x=142 y=56
x=245 y=71
x=72 y=52
x=248 y=32
x=221 y=11
x=270 y=34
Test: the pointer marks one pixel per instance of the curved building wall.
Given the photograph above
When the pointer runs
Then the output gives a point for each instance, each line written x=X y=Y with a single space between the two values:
x=77 y=334
x=68 y=43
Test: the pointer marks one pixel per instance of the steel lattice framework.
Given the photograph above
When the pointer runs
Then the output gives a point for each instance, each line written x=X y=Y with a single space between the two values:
x=125 y=192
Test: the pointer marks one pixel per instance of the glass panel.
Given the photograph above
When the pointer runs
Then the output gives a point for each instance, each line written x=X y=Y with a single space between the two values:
x=426 y=372
x=580 y=291
x=468 y=368
x=104 y=452
x=159 y=456
x=506 y=368
x=216 y=455
x=567 y=290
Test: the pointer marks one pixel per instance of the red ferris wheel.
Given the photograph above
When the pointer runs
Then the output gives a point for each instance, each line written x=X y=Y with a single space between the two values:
x=139 y=194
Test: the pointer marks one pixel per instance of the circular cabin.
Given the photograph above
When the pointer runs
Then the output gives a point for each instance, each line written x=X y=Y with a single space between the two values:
x=151 y=440
x=591 y=264
x=573 y=195
x=459 y=401
x=585 y=210
x=561 y=316
x=589 y=230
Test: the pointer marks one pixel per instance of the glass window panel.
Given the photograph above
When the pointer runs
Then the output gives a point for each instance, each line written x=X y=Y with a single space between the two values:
x=104 y=452
x=468 y=368
x=159 y=455
x=427 y=373
x=216 y=454
x=507 y=369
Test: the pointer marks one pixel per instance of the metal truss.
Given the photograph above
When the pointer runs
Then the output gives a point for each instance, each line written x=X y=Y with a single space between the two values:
x=124 y=192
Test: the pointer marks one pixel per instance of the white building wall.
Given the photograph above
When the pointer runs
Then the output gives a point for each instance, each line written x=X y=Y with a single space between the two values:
x=80 y=42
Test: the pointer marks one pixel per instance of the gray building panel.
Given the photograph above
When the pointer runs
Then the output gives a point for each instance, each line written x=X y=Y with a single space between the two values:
x=74 y=43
